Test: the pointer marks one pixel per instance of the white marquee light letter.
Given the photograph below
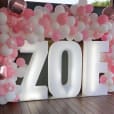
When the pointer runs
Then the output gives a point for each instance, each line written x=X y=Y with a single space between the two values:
x=92 y=67
x=73 y=85
x=29 y=90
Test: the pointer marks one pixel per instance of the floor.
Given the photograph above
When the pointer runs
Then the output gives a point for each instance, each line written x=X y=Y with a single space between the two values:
x=87 y=105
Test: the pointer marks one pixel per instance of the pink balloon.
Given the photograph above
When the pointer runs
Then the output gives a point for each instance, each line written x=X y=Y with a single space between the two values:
x=27 y=27
x=56 y=35
x=103 y=79
x=3 y=92
x=11 y=42
x=107 y=57
x=112 y=68
x=1 y=59
x=10 y=87
x=18 y=26
x=14 y=54
x=113 y=78
x=73 y=30
x=10 y=71
x=27 y=13
x=4 y=10
x=111 y=42
x=85 y=34
x=109 y=11
x=86 y=19
x=89 y=8
x=12 y=21
x=49 y=7
x=81 y=10
x=45 y=21
x=105 y=37
x=20 y=41
x=20 y=62
x=62 y=18
x=103 y=19
x=97 y=34
x=110 y=64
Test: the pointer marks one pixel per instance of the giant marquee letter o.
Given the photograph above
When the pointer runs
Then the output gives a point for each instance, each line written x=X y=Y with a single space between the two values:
x=73 y=85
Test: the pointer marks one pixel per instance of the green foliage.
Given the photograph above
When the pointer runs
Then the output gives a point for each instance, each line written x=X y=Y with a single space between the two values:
x=101 y=4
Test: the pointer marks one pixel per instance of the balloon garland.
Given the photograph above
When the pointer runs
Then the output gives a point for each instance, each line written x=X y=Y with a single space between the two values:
x=109 y=57
x=76 y=23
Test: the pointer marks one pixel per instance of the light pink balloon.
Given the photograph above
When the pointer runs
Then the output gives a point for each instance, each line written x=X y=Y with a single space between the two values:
x=56 y=35
x=62 y=18
x=103 y=79
x=103 y=19
x=20 y=62
x=20 y=41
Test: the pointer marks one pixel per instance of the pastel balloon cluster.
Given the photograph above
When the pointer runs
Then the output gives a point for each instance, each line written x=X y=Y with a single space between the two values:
x=108 y=78
x=76 y=23
x=109 y=59
x=9 y=46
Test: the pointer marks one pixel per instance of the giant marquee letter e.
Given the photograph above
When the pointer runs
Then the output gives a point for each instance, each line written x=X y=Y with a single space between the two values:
x=73 y=85
x=93 y=67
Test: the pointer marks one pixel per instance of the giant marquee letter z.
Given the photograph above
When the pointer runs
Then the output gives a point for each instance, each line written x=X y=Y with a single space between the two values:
x=29 y=90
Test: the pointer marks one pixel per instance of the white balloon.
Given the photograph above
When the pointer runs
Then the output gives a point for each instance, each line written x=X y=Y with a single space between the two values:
x=4 y=28
x=39 y=30
x=5 y=50
x=3 y=82
x=90 y=33
x=71 y=21
x=4 y=37
x=95 y=26
x=104 y=28
x=11 y=96
x=110 y=36
x=94 y=17
x=59 y=9
x=45 y=11
x=3 y=18
x=69 y=38
x=21 y=71
x=78 y=37
x=38 y=10
x=32 y=38
x=112 y=30
x=55 y=25
x=53 y=16
x=109 y=25
x=73 y=9
x=109 y=82
x=65 y=30
x=41 y=38
x=34 y=20
x=39 y=15
x=81 y=26
x=14 y=65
